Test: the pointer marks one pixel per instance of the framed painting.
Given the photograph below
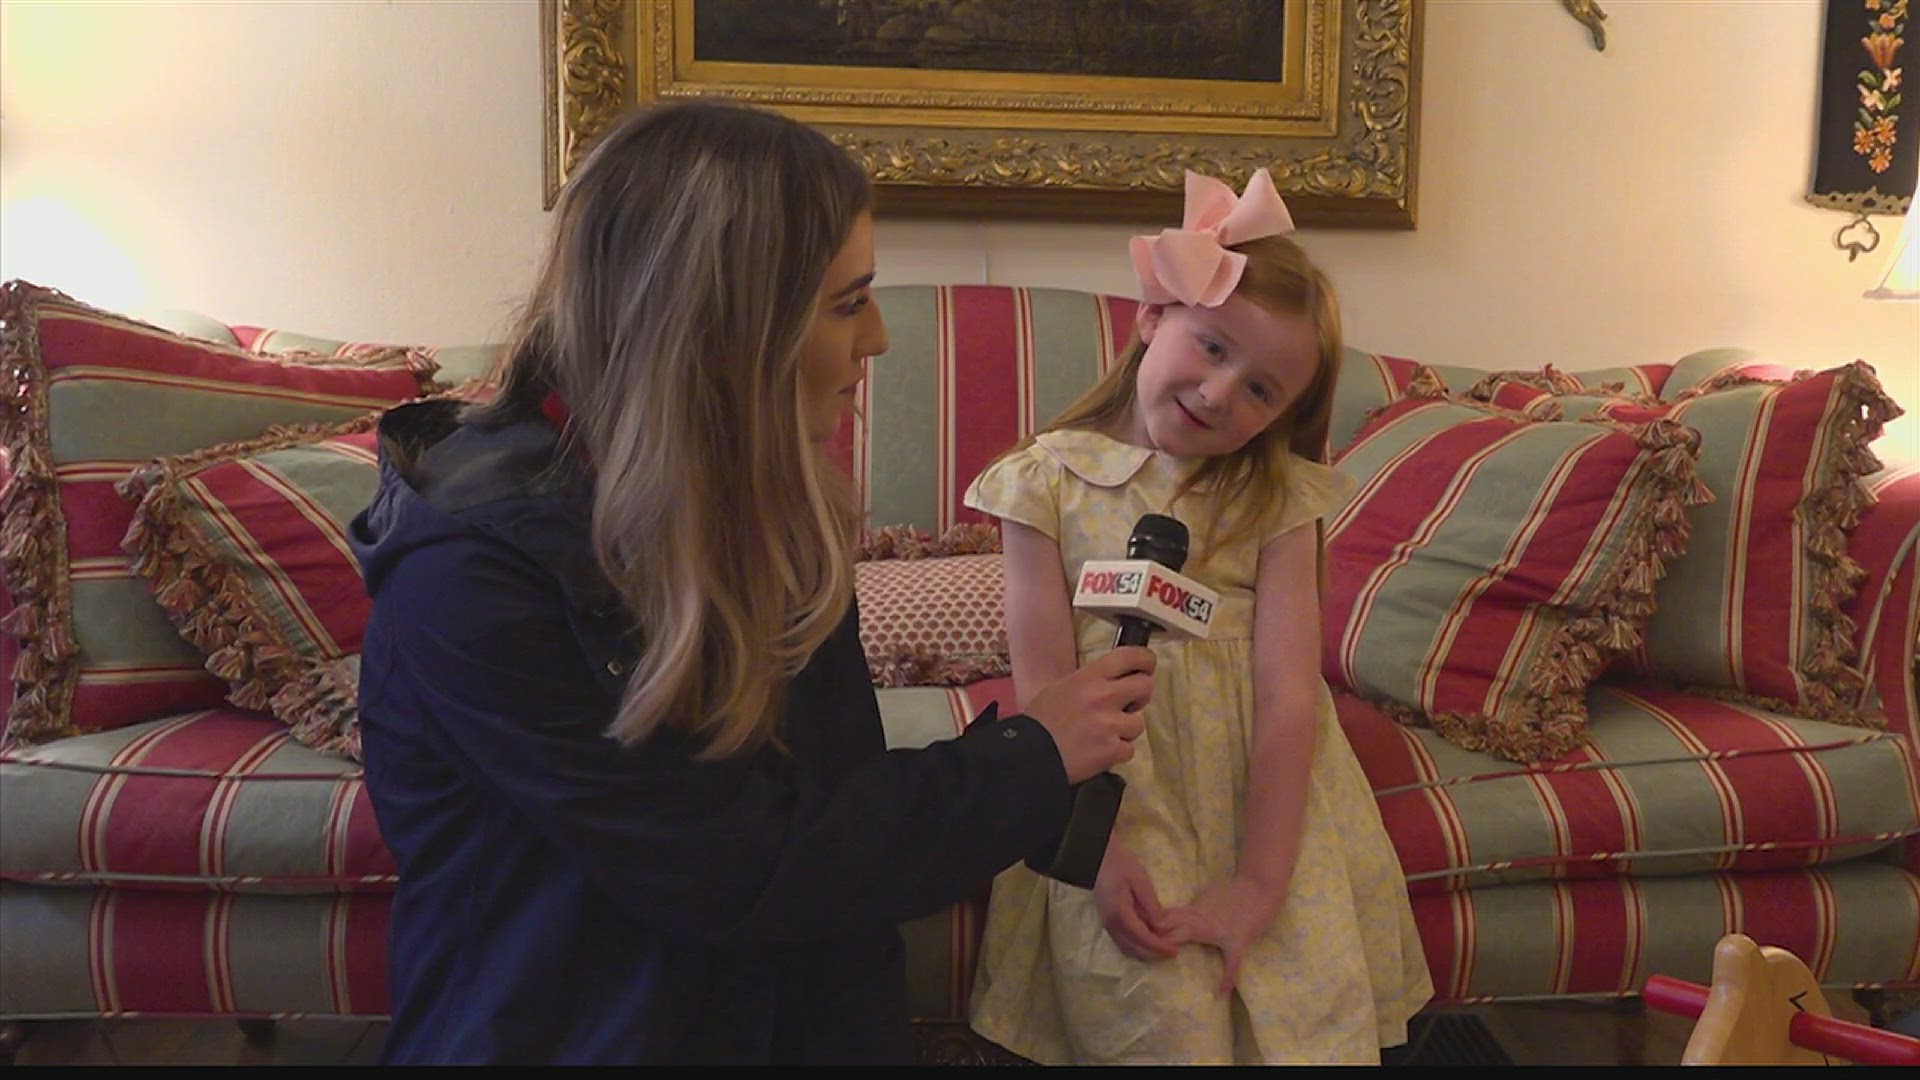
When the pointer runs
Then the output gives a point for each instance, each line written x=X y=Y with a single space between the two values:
x=1057 y=109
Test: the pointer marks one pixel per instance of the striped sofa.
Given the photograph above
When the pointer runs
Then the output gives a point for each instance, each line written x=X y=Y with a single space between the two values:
x=202 y=863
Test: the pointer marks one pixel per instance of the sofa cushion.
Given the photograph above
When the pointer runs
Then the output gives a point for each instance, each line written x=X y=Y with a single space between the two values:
x=222 y=799
x=1755 y=604
x=95 y=396
x=943 y=947
x=121 y=952
x=1632 y=851
x=1488 y=565
x=245 y=546
x=1857 y=923
x=225 y=800
x=1671 y=783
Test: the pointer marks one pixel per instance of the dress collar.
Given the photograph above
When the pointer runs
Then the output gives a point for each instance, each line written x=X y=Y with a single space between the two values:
x=1098 y=459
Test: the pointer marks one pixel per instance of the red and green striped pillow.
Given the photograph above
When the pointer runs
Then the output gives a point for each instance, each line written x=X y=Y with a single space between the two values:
x=93 y=396
x=246 y=548
x=1489 y=565
x=1707 y=365
x=1754 y=606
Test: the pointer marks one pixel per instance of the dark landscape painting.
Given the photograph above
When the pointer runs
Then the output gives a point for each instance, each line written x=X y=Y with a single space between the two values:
x=1241 y=40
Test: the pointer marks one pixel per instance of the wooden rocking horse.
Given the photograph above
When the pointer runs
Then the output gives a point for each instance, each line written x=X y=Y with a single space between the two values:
x=1764 y=1008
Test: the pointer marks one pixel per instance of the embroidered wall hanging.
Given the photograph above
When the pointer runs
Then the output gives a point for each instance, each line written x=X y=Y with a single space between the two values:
x=1868 y=141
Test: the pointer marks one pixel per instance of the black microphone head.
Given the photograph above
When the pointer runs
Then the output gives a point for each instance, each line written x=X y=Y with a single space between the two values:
x=1160 y=538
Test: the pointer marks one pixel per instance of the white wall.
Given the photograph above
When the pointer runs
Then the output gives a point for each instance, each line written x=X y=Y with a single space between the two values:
x=372 y=169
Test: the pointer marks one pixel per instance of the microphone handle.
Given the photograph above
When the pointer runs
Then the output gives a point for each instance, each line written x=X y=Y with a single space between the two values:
x=1083 y=844
x=1096 y=803
x=1133 y=631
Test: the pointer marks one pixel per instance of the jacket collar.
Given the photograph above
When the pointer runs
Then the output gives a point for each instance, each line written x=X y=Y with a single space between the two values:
x=511 y=481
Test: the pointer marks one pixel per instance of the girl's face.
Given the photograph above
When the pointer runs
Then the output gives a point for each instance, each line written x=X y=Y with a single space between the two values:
x=846 y=330
x=1213 y=378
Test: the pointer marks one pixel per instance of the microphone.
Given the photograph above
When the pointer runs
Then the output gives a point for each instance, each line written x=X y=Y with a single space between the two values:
x=1143 y=594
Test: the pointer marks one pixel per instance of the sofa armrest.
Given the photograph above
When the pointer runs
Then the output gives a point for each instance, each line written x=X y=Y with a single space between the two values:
x=1886 y=609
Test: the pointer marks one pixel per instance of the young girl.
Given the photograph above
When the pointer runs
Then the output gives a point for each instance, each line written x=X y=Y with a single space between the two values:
x=619 y=731
x=1250 y=907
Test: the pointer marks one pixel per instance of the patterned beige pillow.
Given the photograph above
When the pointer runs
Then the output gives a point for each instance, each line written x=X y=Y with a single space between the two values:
x=930 y=608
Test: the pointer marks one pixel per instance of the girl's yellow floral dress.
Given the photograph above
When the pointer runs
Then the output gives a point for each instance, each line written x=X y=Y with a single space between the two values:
x=1341 y=970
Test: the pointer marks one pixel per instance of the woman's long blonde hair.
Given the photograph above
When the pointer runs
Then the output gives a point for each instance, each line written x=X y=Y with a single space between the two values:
x=1281 y=278
x=689 y=250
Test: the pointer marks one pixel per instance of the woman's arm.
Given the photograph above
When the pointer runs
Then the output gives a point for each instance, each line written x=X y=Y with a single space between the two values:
x=742 y=848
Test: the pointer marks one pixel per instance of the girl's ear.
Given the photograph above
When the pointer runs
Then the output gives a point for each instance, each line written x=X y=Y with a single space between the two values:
x=1147 y=320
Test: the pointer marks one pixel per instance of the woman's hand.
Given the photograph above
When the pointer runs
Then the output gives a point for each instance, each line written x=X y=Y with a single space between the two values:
x=1094 y=713
x=1229 y=915
x=1129 y=909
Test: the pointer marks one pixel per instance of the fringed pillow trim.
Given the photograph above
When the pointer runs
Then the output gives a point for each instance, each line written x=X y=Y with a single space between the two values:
x=917 y=665
x=33 y=536
x=907 y=542
x=1835 y=683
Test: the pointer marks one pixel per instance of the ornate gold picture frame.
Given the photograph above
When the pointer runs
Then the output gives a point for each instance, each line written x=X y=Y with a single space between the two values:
x=1057 y=109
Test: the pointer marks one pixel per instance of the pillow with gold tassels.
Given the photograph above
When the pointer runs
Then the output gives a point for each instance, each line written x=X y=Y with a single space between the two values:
x=1490 y=563
x=1754 y=609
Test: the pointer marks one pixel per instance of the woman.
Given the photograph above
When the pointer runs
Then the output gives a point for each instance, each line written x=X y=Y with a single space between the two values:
x=618 y=726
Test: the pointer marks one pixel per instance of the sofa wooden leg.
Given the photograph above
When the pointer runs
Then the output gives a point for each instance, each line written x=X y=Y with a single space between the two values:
x=1874 y=1001
x=1893 y=1010
x=258 y=1030
x=13 y=1035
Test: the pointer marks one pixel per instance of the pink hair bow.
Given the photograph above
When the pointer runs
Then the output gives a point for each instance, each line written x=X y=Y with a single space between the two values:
x=1191 y=264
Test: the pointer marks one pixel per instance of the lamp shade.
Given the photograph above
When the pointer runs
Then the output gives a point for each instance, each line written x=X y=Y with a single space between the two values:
x=1903 y=273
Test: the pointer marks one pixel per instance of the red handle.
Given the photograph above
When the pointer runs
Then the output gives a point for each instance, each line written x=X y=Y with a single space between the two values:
x=1857 y=1043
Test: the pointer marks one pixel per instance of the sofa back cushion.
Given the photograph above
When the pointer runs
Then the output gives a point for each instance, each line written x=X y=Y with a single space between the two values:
x=971 y=370
x=1672 y=783
x=1369 y=381
x=94 y=396
x=458 y=363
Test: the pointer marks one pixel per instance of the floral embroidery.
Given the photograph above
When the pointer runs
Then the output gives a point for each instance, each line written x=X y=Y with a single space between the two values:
x=1873 y=133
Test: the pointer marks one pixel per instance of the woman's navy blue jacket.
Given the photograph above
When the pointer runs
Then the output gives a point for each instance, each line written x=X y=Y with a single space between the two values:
x=562 y=898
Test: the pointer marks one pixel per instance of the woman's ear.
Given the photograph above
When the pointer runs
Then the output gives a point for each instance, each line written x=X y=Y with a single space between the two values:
x=1147 y=320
